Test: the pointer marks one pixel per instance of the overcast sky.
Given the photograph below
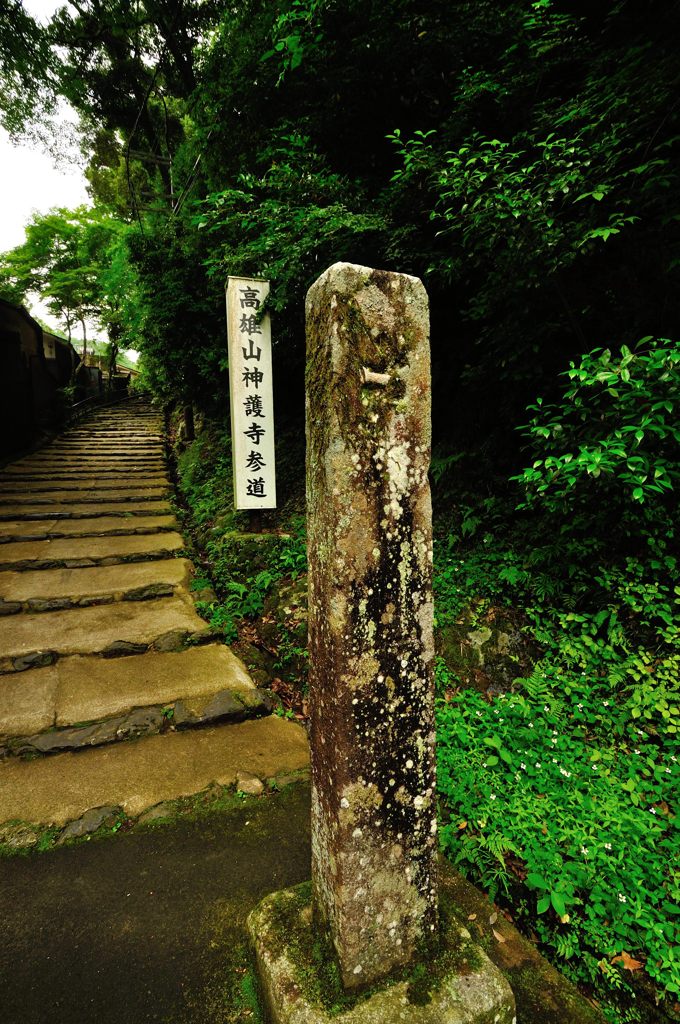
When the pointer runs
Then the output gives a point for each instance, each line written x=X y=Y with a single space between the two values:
x=29 y=178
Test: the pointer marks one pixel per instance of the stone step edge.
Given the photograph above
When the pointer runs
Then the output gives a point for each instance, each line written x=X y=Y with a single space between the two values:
x=27 y=565
x=173 y=640
x=17 y=837
x=93 y=500
x=147 y=592
x=162 y=486
x=121 y=531
x=228 y=705
x=103 y=478
x=38 y=517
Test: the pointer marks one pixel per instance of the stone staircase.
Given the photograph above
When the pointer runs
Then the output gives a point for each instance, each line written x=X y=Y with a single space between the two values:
x=100 y=642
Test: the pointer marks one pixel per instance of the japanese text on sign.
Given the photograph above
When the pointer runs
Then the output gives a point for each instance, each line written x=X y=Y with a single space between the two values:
x=251 y=394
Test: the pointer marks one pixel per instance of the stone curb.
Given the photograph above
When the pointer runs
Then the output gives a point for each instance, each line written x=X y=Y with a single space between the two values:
x=224 y=706
x=57 y=604
x=56 y=534
x=82 y=563
x=21 y=837
x=174 y=640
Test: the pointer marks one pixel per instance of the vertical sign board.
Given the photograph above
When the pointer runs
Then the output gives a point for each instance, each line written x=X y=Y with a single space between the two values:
x=251 y=394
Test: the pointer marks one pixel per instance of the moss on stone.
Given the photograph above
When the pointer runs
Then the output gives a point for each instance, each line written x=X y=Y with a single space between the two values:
x=317 y=974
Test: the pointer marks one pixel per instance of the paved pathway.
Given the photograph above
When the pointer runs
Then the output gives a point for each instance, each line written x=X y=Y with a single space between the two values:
x=100 y=641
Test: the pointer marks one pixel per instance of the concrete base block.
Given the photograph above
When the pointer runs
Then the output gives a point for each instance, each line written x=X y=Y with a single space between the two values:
x=301 y=982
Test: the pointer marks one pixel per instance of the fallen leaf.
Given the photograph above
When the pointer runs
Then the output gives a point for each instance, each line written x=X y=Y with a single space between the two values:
x=493 y=918
x=472 y=917
x=498 y=935
x=628 y=963
x=462 y=824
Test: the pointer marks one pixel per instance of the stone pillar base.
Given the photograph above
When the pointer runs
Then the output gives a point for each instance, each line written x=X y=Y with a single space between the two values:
x=300 y=979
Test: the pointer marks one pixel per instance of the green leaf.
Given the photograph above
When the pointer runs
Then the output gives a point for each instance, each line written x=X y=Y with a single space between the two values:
x=537 y=881
x=557 y=901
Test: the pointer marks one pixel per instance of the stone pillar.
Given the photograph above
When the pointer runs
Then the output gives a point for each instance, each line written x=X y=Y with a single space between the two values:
x=370 y=618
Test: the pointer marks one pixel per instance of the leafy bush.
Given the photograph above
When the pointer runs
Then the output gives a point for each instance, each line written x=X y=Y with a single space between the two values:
x=618 y=424
x=560 y=795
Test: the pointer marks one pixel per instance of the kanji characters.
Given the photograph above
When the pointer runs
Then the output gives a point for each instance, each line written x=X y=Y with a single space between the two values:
x=255 y=488
x=254 y=377
x=255 y=433
x=251 y=354
x=253 y=406
x=250 y=298
x=250 y=325
x=255 y=461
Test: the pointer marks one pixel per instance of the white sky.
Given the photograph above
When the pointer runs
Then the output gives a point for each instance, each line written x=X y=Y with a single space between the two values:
x=30 y=181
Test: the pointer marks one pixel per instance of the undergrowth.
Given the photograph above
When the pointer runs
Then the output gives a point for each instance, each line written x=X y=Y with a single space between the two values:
x=240 y=574
x=559 y=796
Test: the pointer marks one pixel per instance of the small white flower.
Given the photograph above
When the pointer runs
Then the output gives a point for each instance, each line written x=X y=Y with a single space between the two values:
x=622 y=898
x=652 y=810
x=605 y=703
x=537 y=765
x=594 y=767
x=584 y=849
x=523 y=766
x=493 y=796
x=607 y=846
x=580 y=707
x=667 y=771
x=531 y=725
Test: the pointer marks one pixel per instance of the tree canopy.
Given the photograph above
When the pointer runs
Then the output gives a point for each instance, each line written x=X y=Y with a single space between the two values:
x=521 y=158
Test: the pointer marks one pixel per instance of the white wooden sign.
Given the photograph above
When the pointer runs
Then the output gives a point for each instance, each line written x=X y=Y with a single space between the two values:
x=251 y=394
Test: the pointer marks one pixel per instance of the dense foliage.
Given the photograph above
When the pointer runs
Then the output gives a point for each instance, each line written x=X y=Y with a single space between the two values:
x=561 y=793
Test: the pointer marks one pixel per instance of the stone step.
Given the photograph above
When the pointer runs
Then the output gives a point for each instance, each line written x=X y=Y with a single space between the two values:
x=139 y=775
x=85 y=484
x=113 y=432
x=99 y=526
x=67 y=501
x=75 y=473
x=86 y=464
x=89 y=463
x=197 y=685
x=110 y=629
x=81 y=510
x=128 y=581
x=146 y=429
x=78 y=457
x=86 y=437
x=82 y=552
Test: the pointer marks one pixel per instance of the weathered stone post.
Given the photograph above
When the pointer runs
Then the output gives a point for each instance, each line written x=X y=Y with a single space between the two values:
x=370 y=617
x=374 y=828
